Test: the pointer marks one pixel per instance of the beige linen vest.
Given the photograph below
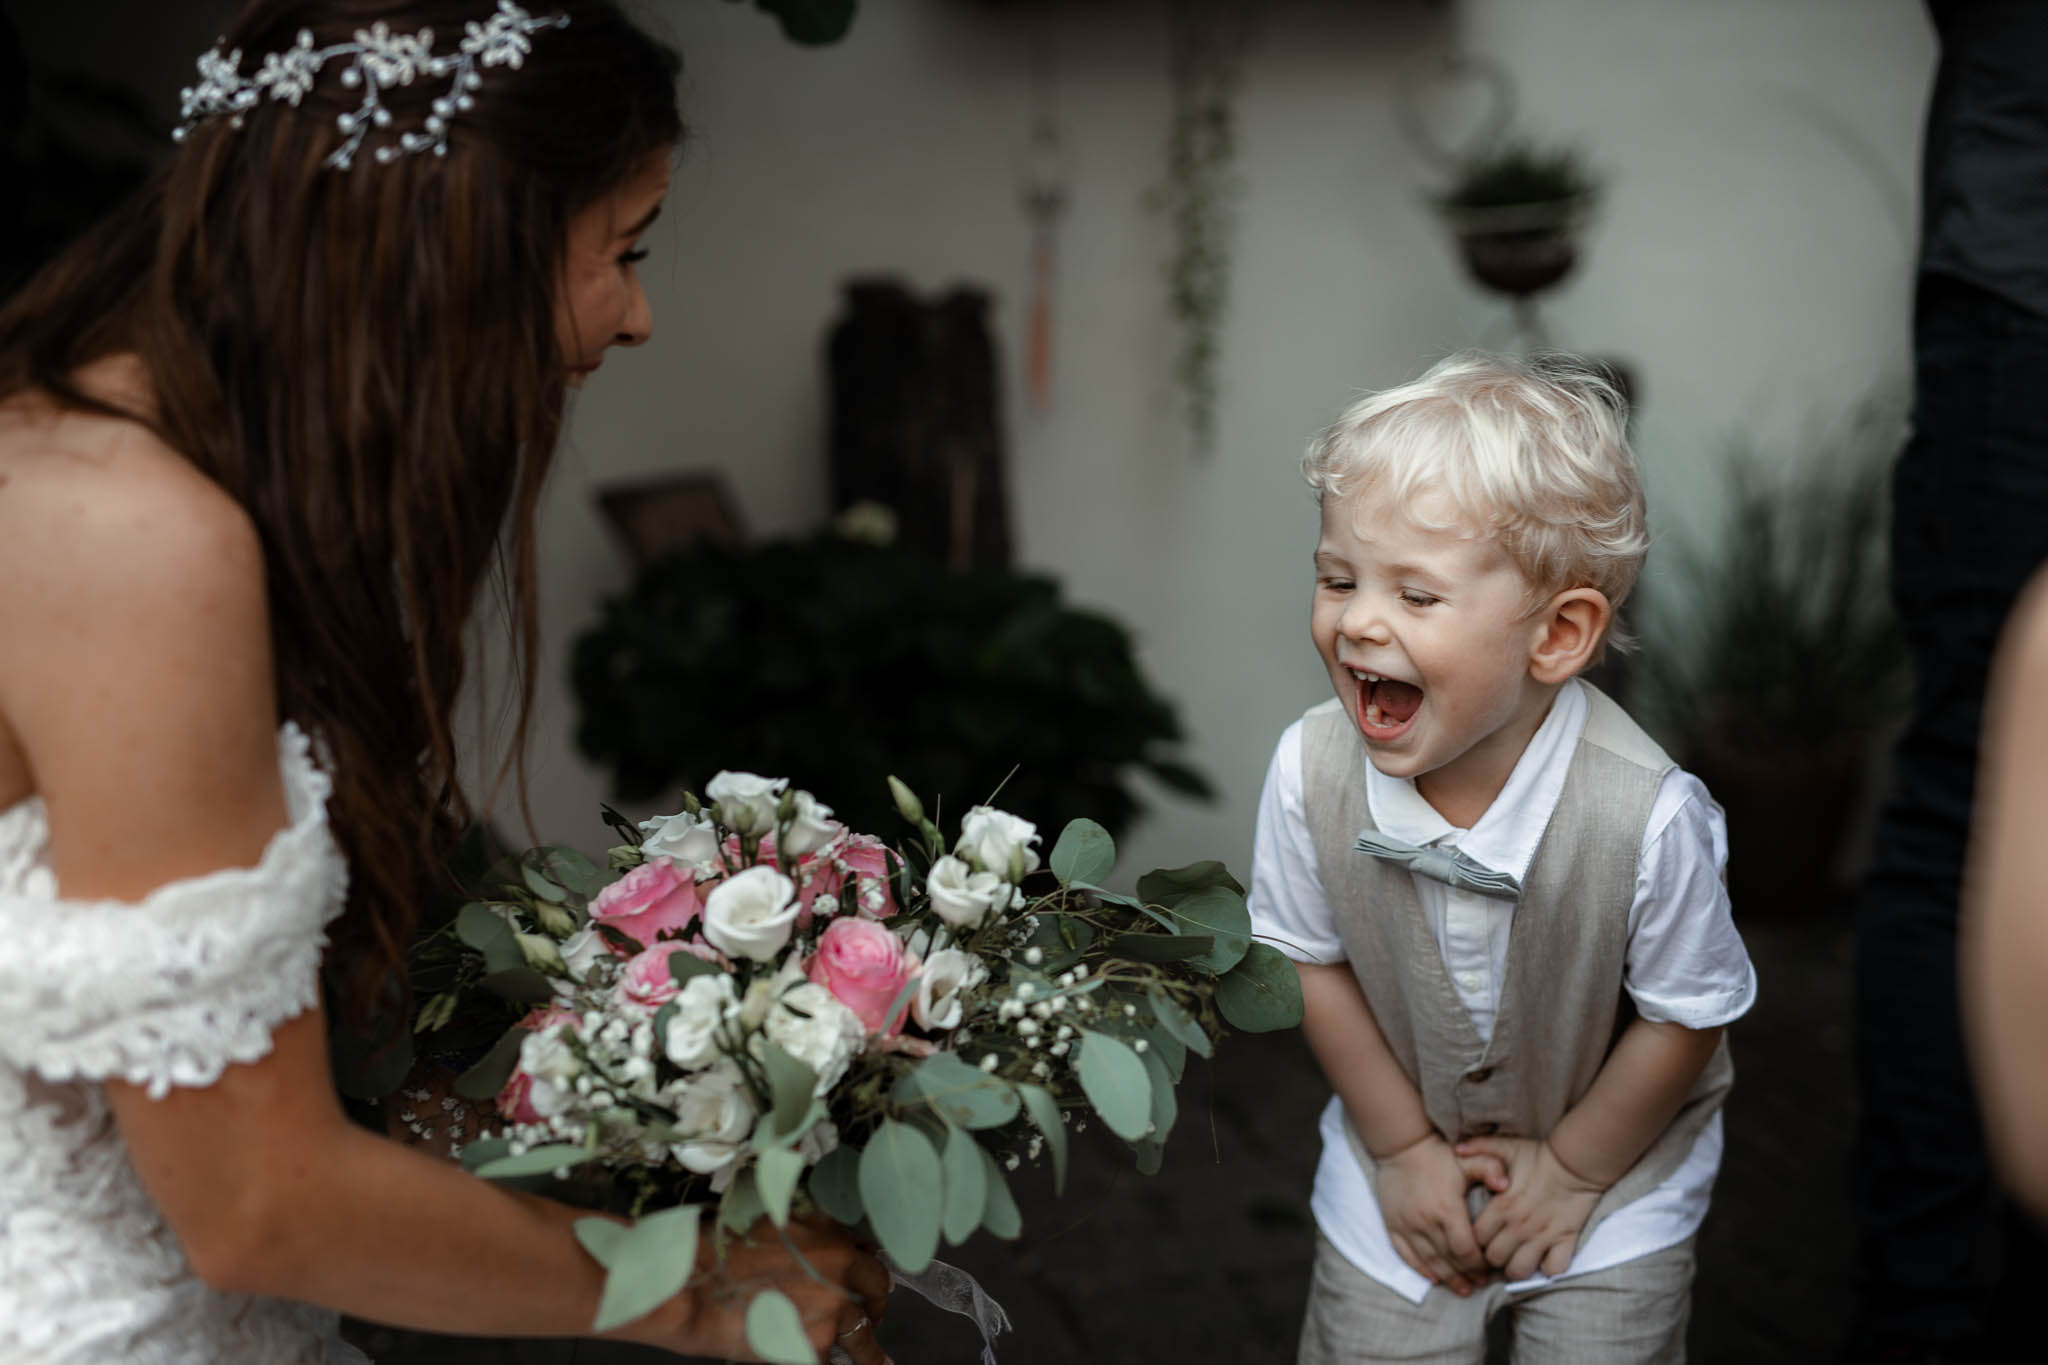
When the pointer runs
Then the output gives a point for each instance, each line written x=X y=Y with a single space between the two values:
x=1561 y=1003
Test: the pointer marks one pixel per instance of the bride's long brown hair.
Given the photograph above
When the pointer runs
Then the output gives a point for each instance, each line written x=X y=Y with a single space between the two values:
x=366 y=359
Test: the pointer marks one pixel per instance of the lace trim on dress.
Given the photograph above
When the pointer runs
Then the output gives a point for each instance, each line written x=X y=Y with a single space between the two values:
x=174 y=988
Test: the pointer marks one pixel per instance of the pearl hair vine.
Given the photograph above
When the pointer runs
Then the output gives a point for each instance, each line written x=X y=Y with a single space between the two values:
x=377 y=60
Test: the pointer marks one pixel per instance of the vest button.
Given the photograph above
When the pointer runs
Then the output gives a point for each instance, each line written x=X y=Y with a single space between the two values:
x=1480 y=1076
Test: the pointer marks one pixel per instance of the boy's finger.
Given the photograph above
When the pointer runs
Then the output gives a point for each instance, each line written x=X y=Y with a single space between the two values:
x=1488 y=1224
x=1501 y=1248
x=1407 y=1254
x=1482 y=1169
x=1524 y=1262
x=1479 y=1146
x=1559 y=1258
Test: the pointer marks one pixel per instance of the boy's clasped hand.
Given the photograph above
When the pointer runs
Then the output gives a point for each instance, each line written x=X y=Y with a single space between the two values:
x=1530 y=1221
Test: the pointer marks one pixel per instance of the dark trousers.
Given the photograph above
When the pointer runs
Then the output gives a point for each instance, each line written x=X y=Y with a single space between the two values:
x=1970 y=525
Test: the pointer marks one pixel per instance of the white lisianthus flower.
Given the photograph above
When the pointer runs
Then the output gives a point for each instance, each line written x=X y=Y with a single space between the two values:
x=811 y=827
x=948 y=974
x=746 y=802
x=996 y=841
x=580 y=952
x=690 y=839
x=808 y=1022
x=750 y=914
x=692 y=1039
x=961 y=896
x=554 y=1066
x=714 y=1117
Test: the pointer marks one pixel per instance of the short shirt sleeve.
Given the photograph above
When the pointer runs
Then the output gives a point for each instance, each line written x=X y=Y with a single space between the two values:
x=171 y=990
x=1289 y=909
x=1686 y=962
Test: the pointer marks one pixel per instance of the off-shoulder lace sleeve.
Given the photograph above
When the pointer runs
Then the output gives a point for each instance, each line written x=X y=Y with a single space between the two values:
x=172 y=989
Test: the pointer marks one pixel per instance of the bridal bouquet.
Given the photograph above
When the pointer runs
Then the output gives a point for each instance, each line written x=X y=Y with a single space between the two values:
x=756 y=1010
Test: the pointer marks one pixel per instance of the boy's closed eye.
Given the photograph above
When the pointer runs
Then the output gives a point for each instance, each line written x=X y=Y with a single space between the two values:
x=1418 y=599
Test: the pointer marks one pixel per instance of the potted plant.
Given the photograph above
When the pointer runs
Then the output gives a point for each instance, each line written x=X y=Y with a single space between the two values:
x=834 y=658
x=1775 y=667
x=1516 y=211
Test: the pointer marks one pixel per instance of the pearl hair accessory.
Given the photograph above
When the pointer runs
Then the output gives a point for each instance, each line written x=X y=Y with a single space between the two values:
x=378 y=59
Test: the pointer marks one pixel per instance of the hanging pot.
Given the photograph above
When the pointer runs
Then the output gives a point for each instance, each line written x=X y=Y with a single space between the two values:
x=1519 y=249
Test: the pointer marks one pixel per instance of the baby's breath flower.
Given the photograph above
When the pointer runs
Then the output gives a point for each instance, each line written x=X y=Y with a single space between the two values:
x=1140 y=1045
x=1010 y=1161
x=988 y=1061
x=1034 y=955
x=1130 y=1010
x=1059 y=1049
x=1041 y=1068
x=1027 y=1027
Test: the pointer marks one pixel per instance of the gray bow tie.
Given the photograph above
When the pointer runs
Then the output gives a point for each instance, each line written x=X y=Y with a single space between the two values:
x=1451 y=866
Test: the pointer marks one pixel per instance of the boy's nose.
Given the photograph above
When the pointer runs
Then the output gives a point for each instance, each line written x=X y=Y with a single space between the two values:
x=1364 y=620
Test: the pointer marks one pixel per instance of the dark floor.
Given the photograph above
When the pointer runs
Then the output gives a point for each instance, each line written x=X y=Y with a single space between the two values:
x=1209 y=1259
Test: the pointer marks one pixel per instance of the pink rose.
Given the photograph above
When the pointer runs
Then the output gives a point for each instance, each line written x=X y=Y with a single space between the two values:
x=864 y=966
x=867 y=858
x=647 y=980
x=654 y=898
x=514 y=1100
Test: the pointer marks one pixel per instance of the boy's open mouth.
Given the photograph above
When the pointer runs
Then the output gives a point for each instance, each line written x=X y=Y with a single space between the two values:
x=1386 y=707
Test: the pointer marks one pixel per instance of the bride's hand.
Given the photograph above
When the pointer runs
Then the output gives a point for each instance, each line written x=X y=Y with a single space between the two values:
x=840 y=1289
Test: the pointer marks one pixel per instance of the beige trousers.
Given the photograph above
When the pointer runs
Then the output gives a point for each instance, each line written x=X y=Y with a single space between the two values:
x=1630 y=1314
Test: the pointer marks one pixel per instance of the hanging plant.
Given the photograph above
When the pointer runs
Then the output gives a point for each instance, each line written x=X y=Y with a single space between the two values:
x=1206 y=46
x=1517 y=212
x=812 y=23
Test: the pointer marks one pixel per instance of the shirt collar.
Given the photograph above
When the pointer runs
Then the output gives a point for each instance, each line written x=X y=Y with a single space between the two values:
x=1506 y=834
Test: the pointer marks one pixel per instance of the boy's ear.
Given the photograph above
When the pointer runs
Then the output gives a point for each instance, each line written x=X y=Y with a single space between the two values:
x=1569 y=629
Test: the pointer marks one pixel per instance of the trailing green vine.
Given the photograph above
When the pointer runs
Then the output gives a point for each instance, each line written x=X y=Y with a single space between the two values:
x=1206 y=47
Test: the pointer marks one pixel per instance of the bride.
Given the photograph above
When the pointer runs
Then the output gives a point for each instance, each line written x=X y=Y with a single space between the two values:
x=263 y=435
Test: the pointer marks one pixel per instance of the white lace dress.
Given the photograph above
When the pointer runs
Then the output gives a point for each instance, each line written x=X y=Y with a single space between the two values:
x=163 y=993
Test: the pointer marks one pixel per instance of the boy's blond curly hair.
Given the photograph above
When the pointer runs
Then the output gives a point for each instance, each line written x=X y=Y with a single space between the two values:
x=1532 y=451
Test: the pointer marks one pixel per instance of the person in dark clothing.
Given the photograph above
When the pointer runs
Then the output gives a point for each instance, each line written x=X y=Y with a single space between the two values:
x=1936 y=1266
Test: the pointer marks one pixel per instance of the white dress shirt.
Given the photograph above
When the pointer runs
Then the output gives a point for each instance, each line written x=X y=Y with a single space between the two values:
x=1685 y=962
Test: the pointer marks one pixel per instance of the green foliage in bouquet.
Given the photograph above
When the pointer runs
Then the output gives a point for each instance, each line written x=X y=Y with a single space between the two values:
x=735 y=1061
x=834 y=657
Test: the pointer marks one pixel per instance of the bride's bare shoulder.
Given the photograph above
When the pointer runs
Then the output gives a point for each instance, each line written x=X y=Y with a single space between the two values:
x=110 y=539
x=87 y=498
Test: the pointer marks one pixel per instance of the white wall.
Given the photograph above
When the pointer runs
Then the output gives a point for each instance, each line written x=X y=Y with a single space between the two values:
x=1748 y=263
x=1750 y=266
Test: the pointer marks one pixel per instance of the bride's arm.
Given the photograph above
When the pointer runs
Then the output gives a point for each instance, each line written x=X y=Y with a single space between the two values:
x=137 y=682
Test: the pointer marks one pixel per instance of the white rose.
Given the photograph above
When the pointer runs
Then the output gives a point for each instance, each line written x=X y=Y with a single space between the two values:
x=714 y=1118
x=961 y=896
x=746 y=801
x=948 y=974
x=692 y=1039
x=810 y=1024
x=996 y=841
x=554 y=1066
x=811 y=827
x=750 y=914
x=690 y=839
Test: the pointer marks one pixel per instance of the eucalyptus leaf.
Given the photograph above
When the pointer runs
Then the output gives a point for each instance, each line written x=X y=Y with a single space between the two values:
x=1159 y=947
x=520 y=985
x=900 y=1186
x=1170 y=1050
x=683 y=966
x=1165 y=1107
x=1045 y=1112
x=959 y=1091
x=484 y=1150
x=649 y=1265
x=775 y=1330
x=1084 y=853
x=835 y=1184
x=1180 y=1023
x=966 y=1186
x=1169 y=886
x=538 y=883
x=1062 y=939
x=1001 y=1216
x=775 y=1172
x=483 y=929
x=742 y=1205
x=601 y=1237
x=1262 y=993
x=790 y=1083
x=571 y=869
x=1221 y=913
x=1116 y=1083
x=536 y=1161
x=484 y=1080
